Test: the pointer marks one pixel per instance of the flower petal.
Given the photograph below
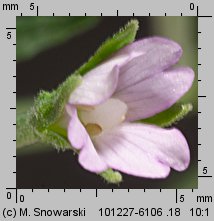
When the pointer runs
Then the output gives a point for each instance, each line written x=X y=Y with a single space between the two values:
x=157 y=54
x=77 y=135
x=156 y=94
x=100 y=83
x=96 y=87
x=143 y=150
x=90 y=160
x=79 y=139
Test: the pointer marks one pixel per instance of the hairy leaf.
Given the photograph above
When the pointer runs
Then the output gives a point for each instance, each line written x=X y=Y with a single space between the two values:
x=24 y=131
x=170 y=116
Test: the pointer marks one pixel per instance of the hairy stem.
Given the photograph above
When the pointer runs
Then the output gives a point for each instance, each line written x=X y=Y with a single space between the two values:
x=24 y=131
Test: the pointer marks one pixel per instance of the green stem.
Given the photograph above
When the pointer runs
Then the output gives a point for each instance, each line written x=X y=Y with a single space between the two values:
x=24 y=131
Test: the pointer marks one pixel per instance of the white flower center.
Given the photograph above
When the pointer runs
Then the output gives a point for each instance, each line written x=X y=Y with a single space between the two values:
x=104 y=116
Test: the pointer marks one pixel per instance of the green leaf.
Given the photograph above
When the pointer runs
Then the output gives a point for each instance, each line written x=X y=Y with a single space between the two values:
x=35 y=34
x=125 y=36
x=169 y=116
x=111 y=176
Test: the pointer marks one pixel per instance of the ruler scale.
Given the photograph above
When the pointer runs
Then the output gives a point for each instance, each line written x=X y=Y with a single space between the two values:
x=154 y=204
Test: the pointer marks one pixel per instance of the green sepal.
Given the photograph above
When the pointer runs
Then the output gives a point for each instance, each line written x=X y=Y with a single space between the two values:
x=126 y=35
x=48 y=108
x=113 y=177
x=50 y=137
x=170 y=116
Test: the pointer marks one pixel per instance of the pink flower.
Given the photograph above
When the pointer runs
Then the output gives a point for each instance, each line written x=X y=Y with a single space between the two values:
x=137 y=82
